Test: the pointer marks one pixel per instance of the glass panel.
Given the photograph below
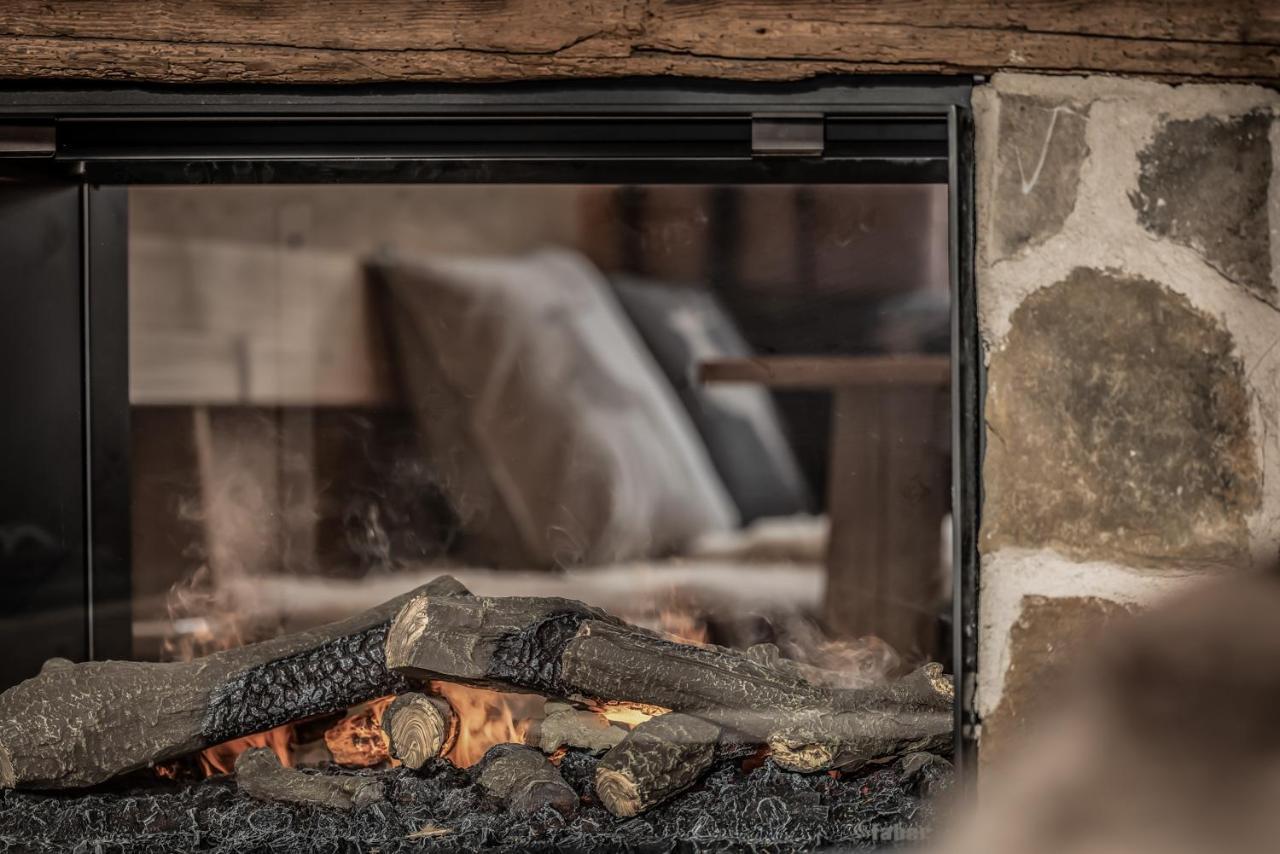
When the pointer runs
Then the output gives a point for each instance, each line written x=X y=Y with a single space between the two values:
x=718 y=412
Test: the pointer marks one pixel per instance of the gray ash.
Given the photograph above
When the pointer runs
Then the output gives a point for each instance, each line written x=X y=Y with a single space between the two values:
x=765 y=809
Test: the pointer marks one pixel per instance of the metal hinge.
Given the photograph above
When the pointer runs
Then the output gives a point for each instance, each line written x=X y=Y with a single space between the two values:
x=787 y=134
x=27 y=140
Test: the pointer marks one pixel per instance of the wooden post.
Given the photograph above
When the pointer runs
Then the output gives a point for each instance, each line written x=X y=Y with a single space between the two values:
x=887 y=499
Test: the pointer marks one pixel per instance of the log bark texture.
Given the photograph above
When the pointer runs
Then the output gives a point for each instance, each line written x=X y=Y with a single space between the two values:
x=79 y=724
x=260 y=774
x=869 y=725
x=564 y=648
x=419 y=727
x=524 y=780
x=295 y=41
x=660 y=757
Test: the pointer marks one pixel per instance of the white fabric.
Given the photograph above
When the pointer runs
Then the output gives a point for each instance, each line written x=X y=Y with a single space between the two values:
x=558 y=439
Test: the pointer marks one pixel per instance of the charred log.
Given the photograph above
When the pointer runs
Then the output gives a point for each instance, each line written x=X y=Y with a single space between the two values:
x=260 y=774
x=660 y=757
x=566 y=649
x=523 y=779
x=80 y=724
x=869 y=725
x=419 y=727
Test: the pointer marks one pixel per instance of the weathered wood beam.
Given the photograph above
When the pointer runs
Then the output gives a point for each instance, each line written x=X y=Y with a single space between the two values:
x=79 y=724
x=293 y=41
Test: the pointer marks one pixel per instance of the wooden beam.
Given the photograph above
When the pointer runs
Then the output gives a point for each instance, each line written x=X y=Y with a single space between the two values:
x=296 y=41
x=828 y=372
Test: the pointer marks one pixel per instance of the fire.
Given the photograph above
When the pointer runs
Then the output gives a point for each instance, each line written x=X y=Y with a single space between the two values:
x=486 y=718
x=358 y=740
x=683 y=625
x=221 y=758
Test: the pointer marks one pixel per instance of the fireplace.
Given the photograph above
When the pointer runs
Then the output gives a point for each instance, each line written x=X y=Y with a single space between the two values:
x=585 y=467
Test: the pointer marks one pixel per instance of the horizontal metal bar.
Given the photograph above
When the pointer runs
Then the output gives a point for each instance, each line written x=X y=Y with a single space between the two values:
x=921 y=94
x=551 y=170
x=26 y=140
x=502 y=137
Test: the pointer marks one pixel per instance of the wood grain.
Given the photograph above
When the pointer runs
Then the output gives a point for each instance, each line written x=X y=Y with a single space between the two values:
x=296 y=41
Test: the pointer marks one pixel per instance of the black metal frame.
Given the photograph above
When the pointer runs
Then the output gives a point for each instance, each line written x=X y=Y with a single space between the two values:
x=877 y=130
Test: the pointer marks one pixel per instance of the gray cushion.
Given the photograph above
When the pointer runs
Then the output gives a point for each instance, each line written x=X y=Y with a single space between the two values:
x=555 y=435
x=683 y=326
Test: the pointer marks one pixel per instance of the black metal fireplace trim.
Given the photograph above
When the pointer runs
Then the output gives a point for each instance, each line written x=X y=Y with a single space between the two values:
x=99 y=139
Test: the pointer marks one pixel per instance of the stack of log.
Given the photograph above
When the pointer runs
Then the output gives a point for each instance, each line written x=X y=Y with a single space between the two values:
x=76 y=725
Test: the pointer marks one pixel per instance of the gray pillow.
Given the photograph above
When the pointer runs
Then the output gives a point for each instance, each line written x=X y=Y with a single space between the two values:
x=556 y=438
x=739 y=424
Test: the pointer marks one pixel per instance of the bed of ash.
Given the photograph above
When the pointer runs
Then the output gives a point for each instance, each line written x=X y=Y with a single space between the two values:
x=439 y=808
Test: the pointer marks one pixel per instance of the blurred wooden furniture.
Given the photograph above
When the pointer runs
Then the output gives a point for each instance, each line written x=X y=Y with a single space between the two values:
x=888 y=489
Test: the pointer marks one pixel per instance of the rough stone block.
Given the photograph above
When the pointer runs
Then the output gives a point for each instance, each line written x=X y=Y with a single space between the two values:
x=1204 y=183
x=1119 y=428
x=1037 y=172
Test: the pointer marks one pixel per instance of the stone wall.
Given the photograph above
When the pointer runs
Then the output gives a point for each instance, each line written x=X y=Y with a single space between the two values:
x=1129 y=303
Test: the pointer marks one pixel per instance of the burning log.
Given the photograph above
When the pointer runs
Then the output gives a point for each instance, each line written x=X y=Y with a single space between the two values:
x=566 y=649
x=524 y=780
x=80 y=724
x=260 y=774
x=419 y=727
x=660 y=757
x=565 y=726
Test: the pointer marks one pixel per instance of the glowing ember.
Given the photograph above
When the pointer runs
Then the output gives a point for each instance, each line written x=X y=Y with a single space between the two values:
x=486 y=718
x=358 y=740
x=629 y=715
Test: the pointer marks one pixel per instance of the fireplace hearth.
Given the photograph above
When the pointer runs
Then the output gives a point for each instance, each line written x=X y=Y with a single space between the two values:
x=548 y=468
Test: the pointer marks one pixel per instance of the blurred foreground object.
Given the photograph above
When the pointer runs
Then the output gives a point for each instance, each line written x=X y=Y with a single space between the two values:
x=1166 y=742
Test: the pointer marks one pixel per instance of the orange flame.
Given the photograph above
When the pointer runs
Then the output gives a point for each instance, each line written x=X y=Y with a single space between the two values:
x=683 y=625
x=221 y=758
x=486 y=718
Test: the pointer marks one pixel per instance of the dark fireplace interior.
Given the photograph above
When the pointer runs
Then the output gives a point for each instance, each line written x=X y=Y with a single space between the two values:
x=532 y=506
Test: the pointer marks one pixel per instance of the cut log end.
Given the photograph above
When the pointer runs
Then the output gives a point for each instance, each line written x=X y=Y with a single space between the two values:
x=260 y=775
x=419 y=728
x=941 y=683
x=618 y=791
x=406 y=630
x=801 y=755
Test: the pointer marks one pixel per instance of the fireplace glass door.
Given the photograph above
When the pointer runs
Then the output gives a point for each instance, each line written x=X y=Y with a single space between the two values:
x=720 y=412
